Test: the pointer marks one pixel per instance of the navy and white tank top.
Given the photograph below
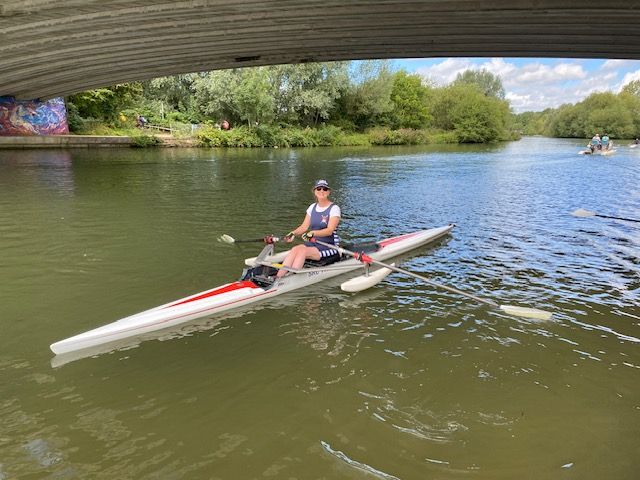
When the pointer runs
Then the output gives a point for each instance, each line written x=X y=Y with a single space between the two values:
x=320 y=221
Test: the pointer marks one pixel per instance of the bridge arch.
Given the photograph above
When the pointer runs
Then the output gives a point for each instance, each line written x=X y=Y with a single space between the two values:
x=55 y=48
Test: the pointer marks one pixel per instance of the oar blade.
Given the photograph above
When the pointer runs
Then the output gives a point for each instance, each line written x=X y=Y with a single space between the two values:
x=526 y=312
x=226 y=239
x=581 y=212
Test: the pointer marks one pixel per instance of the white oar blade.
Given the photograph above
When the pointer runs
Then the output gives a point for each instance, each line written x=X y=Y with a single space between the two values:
x=526 y=312
x=365 y=281
x=226 y=239
x=581 y=212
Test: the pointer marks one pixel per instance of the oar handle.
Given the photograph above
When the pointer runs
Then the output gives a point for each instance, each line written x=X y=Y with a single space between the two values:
x=367 y=259
x=266 y=239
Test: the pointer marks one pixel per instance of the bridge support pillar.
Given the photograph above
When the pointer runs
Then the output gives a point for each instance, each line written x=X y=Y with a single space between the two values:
x=33 y=117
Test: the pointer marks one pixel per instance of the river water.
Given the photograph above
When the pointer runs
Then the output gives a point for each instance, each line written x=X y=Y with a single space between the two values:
x=401 y=381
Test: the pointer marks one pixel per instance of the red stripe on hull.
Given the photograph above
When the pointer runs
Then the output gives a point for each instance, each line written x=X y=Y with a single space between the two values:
x=389 y=241
x=227 y=288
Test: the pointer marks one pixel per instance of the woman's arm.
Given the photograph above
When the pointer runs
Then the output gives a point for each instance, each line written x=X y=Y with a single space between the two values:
x=303 y=226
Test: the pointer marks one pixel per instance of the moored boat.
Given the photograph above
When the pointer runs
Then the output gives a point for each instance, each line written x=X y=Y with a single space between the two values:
x=257 y=283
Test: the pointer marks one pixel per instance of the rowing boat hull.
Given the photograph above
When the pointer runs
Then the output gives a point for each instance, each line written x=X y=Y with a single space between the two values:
x=233 y=295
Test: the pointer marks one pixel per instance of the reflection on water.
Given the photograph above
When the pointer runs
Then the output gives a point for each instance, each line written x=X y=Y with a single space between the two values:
x=400 y=381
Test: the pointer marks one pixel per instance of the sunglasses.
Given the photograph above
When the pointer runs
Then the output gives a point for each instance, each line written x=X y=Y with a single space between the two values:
x=324 y=189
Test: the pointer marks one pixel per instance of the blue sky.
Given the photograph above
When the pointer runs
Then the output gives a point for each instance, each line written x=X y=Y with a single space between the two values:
x=533 y=84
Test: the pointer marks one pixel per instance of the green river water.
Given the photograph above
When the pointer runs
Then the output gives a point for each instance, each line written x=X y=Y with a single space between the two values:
x=398 y=382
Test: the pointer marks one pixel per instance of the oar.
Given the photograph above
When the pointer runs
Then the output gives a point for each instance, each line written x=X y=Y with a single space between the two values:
x=581 y=212
x=229 y=239
x=510 y=309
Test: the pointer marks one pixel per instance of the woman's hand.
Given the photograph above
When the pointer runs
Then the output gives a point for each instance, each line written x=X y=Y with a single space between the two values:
x=289 y=237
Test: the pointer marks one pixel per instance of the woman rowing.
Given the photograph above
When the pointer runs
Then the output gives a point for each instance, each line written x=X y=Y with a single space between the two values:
x=320 y=222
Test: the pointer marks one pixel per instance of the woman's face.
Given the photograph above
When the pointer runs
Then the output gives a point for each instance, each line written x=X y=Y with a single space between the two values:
x=321 y=192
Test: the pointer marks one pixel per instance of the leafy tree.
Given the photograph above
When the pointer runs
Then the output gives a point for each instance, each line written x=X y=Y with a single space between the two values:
x=633 y=88
x=487 y=82
x=307 y=93
x=175 y=91
x=569 y=121
x=171 y=97
x=238 y=95
x=474 y=117
x=214 y=95
x=368 y=96
x=253 y=96
x=106 y=103
x=615 y=120
x=409 y=98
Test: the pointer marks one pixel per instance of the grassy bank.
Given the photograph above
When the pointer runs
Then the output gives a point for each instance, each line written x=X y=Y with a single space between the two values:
x=269 y=136
x=272 y=136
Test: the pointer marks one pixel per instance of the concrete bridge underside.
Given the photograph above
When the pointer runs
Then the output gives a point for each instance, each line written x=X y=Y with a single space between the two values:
x=57 y=47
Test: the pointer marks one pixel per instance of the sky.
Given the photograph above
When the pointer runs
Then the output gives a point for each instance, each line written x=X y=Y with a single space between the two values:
x=533 y=84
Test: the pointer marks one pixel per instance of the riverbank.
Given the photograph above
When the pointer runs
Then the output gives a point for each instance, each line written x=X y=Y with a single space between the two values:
x=94 y=141
x=262 y=136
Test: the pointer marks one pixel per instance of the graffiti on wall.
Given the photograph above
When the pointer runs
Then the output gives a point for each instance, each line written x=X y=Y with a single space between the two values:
x=33 y=117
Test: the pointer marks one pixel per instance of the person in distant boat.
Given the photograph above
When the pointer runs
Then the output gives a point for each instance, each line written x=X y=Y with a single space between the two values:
x=605 y=142
x=321 y=223
x=636 y=141
x=595 y=143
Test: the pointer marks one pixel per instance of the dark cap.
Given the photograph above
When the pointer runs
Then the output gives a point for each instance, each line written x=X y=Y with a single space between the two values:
x=321 y=183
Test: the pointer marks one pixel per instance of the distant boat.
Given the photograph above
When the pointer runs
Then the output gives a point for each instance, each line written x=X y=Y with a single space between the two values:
x=588 y=151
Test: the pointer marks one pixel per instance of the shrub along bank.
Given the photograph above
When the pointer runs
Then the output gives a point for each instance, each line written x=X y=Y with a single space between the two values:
x=271 y=136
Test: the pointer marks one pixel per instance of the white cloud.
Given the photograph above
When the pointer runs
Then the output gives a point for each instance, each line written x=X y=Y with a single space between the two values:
x=629 y=77
x=445 y=71
x=537 y=73
x=537 y=85
x=617 y=64
x=499 y=67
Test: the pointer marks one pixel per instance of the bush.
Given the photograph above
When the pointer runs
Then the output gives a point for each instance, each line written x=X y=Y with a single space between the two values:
x=74 y=120
x=330 y=135
x=143 y=141
x=355 y=140
x=444 y=137
x=242 y=137
x=271 y=136
x=403 y=136
x=325 y=136
x=300 y=138
x=208 y=136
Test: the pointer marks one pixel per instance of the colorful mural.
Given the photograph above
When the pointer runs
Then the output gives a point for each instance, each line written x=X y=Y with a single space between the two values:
x=33 y=117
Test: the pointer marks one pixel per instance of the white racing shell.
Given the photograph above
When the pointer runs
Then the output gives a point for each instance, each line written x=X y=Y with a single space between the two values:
x=234 y=295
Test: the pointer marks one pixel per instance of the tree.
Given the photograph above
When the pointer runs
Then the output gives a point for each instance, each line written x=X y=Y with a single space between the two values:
x=237 y=95
x=368 y=96
x=409 y=98
x=487 y=82
x=175 y=91
x=214 y=95
x=307 y=93
x=253 y=96
x=569 y=121
x=632 y=88
x=474 y=117
x=106 y=103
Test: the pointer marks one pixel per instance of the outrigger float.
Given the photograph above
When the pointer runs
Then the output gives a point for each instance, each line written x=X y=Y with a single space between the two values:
x=259 y=283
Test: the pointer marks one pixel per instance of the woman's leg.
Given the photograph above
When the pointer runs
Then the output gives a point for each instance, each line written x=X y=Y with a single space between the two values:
x=297 y=256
